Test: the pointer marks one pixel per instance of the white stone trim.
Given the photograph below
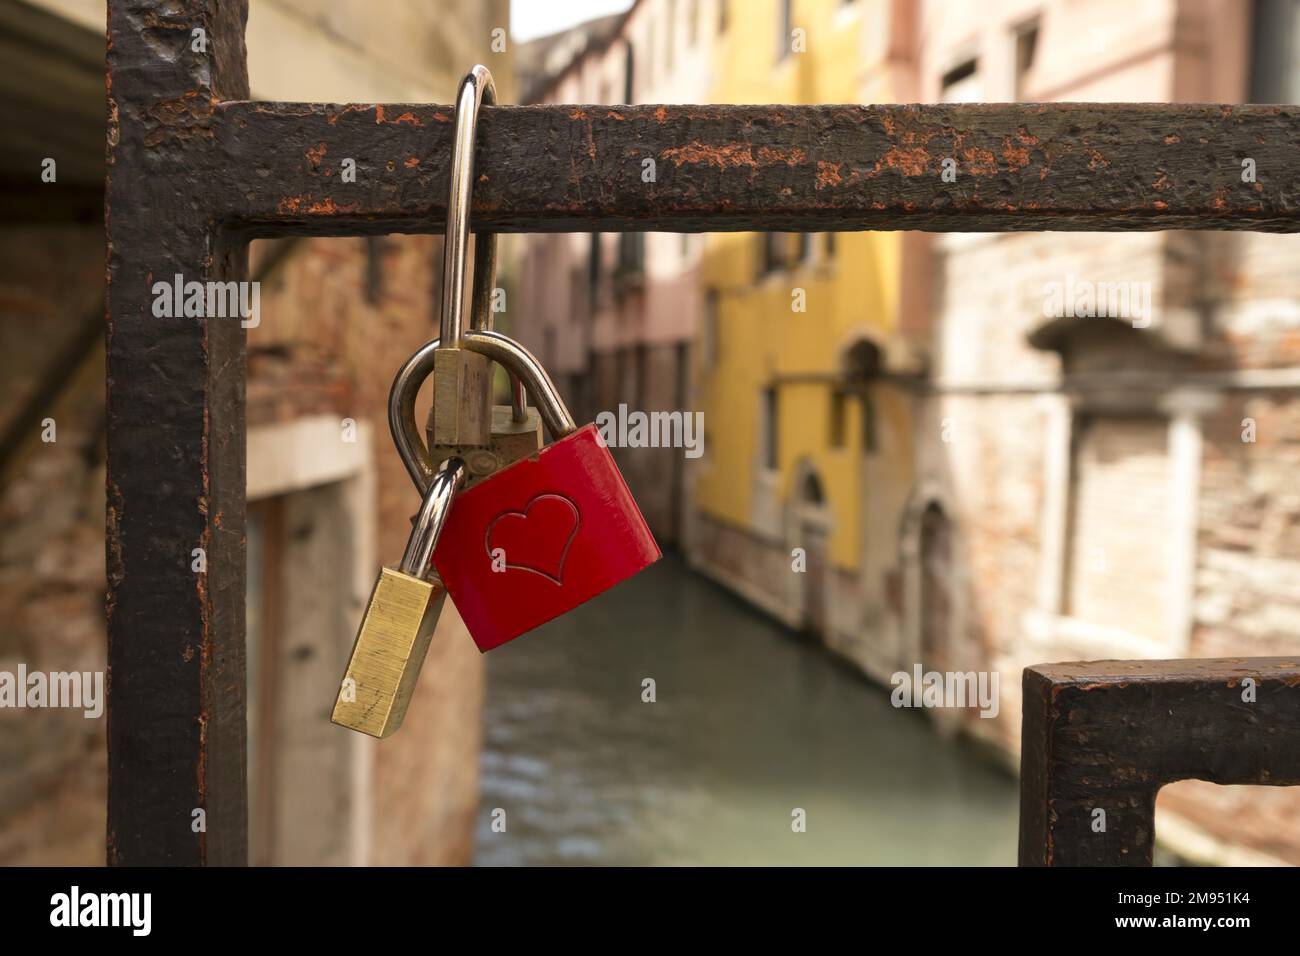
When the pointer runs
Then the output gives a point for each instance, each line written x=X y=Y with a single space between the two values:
x=1056 y=503
x=1203 y=849
x=1185 y=447
x=1244 y=378
x=298 y=454
x=1061 y=637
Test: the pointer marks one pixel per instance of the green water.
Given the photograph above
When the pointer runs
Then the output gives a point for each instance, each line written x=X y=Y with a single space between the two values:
x=749 y=724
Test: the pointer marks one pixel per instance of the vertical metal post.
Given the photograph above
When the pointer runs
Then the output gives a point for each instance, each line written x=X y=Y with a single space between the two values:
x=176 y=734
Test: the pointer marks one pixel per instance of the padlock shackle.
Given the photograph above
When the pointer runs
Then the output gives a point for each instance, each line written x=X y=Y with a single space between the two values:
x=526 y=372
x=431 y=518
x=524 y=368
x=477 y=88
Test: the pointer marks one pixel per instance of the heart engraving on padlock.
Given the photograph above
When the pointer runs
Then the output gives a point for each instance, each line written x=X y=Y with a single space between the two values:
x=532 y=534
x=614 y=542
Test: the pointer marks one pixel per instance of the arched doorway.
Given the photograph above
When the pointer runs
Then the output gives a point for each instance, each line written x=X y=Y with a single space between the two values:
x=812 y=529
x=936 y=560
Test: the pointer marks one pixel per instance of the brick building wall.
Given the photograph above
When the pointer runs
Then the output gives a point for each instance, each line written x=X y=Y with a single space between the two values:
x=1107 y=500
x=339 y=317
x=52 y=762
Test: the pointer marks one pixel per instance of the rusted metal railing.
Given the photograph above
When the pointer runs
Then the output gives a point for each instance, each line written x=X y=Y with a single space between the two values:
x=196 y=170
x=1101 y=738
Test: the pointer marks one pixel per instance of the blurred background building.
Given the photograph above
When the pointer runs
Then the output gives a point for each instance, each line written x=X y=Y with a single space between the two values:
x=910 y=452
x=328 y=499
x=970 y=482
x=614 y=316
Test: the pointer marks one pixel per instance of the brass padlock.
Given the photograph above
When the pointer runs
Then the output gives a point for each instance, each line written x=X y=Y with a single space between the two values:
x=399 y=622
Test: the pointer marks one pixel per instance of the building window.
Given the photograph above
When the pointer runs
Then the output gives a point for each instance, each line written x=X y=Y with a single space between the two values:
x=642 y=359
x=771 y=411
x=839 y=418
x=803 y=247
x=649 y=53
x=626 y=387
x=961 y=84
x=670 y=36
x=783 y=250
x=769 y=256
x=593 y=271
x=712 y=330
x=786 y=25
x=859 y=366
x=1026 y=48
x=1275 y=48
x=812 y=492
x=549 y=346
x=374 y=286
x=579 y=295
x=629 y=61
x=631 y=253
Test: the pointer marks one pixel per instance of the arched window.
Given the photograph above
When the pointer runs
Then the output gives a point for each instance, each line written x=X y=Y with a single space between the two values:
x=859 y=364
x=810 y=491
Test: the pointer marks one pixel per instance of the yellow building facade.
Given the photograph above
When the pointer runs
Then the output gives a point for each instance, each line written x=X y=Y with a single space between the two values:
x=799 y=440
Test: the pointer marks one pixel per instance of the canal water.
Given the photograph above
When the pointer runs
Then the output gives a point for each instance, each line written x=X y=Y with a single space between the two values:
x=749 y=724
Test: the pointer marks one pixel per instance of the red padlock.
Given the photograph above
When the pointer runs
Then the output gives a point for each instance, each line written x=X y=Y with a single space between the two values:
x=545 y=534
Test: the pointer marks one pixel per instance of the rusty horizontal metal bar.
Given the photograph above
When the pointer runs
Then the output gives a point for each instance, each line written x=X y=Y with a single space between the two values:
x=1107 y=735
x=277 y=167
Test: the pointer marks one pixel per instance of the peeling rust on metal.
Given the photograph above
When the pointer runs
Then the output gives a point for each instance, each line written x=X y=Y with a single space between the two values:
x=730 y=154
x=182 y=118
x=722 y=168
x=310 y=206
x=405 y=117
x=1112 y=733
